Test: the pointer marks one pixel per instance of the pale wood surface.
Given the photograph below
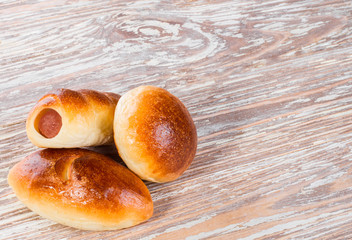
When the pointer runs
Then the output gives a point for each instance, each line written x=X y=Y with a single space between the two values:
x=268 y=83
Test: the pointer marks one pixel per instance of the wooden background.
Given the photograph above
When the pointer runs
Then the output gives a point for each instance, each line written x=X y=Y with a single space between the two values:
x=268 y=84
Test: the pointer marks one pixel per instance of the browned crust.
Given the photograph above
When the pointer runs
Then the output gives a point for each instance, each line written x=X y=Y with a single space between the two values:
x=88 y=184
x=78 y=100
x=87 y=118
x=160 y=126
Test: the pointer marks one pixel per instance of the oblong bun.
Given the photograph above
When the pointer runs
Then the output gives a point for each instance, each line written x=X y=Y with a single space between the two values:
x=81 y=189
x=154 y=133
x=69 y=119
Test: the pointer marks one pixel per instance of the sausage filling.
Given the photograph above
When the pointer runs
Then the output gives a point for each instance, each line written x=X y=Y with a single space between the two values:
x=50 y=123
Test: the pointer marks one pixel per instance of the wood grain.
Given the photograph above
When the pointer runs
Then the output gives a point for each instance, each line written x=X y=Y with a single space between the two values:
x=268 y=84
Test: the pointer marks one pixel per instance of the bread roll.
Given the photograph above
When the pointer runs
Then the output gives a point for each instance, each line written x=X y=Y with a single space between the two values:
x=81 y=189
x=68 y=119
x=154 y=134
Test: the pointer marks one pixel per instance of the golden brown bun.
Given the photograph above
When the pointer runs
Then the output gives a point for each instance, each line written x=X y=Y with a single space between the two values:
x=86 y=119
x=81 y=189
x=154 y=134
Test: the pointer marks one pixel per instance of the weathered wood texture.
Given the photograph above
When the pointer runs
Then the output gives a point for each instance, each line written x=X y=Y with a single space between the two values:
x=268 y=83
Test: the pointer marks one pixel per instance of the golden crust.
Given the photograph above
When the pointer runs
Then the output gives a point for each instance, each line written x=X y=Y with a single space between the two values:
x=81 y=188
x=154 y=134
x=87 y=118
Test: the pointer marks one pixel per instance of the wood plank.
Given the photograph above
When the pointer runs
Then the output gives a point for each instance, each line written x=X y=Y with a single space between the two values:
x=268 y=84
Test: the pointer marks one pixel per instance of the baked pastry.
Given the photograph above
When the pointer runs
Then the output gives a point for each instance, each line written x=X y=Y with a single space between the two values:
x=68 y=119
x=81 y=189
x=154 y=133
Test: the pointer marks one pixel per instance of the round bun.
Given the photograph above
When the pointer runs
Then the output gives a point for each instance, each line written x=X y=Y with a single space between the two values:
x=69 y=119
x=81 y=189
x=154 y=134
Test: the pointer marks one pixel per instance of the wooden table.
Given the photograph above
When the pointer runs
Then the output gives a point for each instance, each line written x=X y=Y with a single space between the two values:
x=268 y=84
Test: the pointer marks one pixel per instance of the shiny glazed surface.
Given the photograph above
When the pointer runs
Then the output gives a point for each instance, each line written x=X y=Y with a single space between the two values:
x=76 y=186
x=154 y=129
